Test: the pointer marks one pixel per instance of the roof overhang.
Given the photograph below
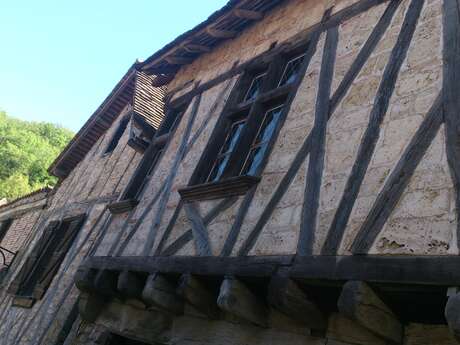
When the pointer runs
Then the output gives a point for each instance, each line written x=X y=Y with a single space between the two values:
x=224 y=24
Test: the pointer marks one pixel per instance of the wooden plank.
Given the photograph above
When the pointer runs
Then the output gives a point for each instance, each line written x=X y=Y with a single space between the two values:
x=150 y=240
x=360 y=303
x=317 y=154
x=451 y=75
x=130 y=284
x=178 y=60
x=411 y=269
x=200 y=232
x=286 y=296
x=364 y=54
x=196 y=48
x=372 y=133
x=300 y=157
x=395 y=185
x=188 y=235
x=236 y=299
x=220 y=33
x=247 y=14
x=159 y=293
x=197 y=294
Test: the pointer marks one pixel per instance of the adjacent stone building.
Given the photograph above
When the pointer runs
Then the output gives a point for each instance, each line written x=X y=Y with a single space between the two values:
x=302 y=188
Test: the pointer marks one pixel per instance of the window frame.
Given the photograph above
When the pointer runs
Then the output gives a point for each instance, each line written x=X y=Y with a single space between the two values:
x=45 y=258
x=272 y=94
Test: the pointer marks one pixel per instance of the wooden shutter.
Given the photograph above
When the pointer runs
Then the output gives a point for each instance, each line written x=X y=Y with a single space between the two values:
x=30 y=264
x=52 y=265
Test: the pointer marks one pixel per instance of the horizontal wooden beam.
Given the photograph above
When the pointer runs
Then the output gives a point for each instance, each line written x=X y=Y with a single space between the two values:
x=219 y=33
x=178 y=60
x=196 y=48
x=247 y=14
x=418 y=270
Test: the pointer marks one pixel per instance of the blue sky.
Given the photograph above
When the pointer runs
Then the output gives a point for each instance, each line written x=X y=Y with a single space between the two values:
x=60 y=59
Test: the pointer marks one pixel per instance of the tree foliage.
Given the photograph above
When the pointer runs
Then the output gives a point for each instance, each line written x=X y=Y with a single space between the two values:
x=26 y=151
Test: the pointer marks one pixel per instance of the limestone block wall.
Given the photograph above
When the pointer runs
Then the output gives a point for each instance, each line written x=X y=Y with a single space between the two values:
x=364 y=149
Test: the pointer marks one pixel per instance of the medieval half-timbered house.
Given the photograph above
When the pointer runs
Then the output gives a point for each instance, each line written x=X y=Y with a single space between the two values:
x=302 y=188
x=46 y=235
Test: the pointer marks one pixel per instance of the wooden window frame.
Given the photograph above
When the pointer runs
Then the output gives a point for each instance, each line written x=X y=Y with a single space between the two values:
x=272 y=94
x=152 y=156
x=44 y=261
x=116 y=137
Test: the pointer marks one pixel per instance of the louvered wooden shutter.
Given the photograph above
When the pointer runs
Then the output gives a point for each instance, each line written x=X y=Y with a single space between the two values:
x=29 y=266
x=65 y=241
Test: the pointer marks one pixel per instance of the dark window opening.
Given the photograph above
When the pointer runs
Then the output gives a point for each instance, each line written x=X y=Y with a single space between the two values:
x=4 y=227
x=153 y=154
x=45 y=259
x=255 y=87
x=117 y=135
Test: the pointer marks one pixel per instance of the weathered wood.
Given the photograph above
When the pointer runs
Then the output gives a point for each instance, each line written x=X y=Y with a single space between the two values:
x=317 y=154
x=287 y=297
x=236 y=299
x=234 y=186
x=90 y=306
x=196 y=48
x=85 y=279
x=200 y=232
x=247 y=14
x=150 y=240
x=197 y=294
x=219 y=33
x=159 y=293
x=452 y=313
x=178 y=60
x=360 y=303
x=106 y=282
x=188 y=235
x=451 y=75
x=130 y=284
x=364 y=54
x=293 y=169
x=410 y=269
x=395 y=185
x=377 y=115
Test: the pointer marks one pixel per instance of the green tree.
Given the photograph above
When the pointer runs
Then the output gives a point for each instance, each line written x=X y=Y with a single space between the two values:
x=26 y=151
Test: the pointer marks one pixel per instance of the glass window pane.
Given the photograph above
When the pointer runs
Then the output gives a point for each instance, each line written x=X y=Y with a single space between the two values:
x=269 y=125
x=233 y=137
x=291 y=70
x=254 y=160
x=219 y=168
x=255 y=87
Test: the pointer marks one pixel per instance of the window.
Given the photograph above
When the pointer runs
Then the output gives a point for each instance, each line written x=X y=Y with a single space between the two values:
x=242 y=140
x=291 y=71
x=146 y=167
x=4 y=226
x=44 y=261
x=117 y=135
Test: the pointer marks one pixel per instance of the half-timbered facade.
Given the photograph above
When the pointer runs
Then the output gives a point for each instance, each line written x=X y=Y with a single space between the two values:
x=302 y=188
x=49 y=233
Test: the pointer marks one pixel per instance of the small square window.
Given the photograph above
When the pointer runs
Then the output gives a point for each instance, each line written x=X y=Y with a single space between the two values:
x=291 y=71
x=255 y=87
